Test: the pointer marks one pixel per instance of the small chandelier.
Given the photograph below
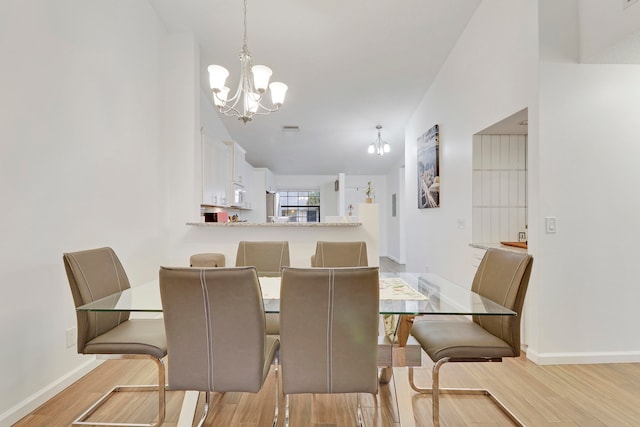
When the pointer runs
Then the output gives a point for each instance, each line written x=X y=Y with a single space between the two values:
x=254 y=80
x=379 y=147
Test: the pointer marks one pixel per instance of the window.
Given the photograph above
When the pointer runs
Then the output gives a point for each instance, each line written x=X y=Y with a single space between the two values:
x=300 y=206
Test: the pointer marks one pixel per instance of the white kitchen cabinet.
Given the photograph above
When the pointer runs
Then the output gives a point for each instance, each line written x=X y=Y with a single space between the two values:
x=270 y=181
x=215 y=171
x=239 y=178
x=238 y=163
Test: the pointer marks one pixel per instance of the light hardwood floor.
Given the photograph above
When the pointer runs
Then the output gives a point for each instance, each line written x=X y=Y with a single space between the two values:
x=558 y=396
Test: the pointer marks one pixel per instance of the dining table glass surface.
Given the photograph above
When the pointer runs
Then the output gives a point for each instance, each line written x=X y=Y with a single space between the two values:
x=400 y=293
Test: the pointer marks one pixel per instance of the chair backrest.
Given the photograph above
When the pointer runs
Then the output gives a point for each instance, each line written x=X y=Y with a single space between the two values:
x=503 y=277
x=207 y=260
x=340 y=254
x=94 y=274
x=329 y=330
x=268 y=257
x=215 y=326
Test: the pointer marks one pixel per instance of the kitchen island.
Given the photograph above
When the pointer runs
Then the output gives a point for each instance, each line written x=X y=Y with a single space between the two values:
x=302 y=237
x=275 y=224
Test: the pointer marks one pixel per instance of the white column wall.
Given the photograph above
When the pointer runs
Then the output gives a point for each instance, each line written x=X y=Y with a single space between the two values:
x=586 y=272
x=80 y=167
x=587 y=149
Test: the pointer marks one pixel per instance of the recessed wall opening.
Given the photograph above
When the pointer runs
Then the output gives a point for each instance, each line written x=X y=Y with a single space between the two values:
x=499 y=187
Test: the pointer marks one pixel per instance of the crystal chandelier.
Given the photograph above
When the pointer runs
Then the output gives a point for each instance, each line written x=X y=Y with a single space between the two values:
x=379 y=146
x=254 y=80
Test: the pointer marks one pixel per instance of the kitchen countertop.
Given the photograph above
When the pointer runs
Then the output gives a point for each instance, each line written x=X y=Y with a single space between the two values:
x=275 y=224
x=498 y=246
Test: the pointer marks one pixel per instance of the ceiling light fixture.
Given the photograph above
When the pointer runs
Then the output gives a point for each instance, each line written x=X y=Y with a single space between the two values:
x=379 y=147
x=254 y=80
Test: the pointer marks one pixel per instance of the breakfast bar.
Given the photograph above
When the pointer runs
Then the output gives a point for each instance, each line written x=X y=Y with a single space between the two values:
x=223 y=238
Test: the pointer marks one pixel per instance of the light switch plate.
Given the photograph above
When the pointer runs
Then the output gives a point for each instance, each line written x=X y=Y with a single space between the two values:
x=551 y=225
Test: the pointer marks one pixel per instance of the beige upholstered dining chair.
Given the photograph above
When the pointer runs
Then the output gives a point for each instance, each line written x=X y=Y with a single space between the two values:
x=337 y=351
x=269 y=257
x=502 y=277
x=340 y=254
x=216 y=337
x=94 y=274
x=207 y=260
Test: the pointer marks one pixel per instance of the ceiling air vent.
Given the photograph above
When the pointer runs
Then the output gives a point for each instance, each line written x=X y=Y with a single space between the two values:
x=289 y=128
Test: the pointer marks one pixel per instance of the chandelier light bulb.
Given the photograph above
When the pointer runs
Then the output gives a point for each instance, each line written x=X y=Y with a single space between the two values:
x=372 y=148
x=387 y=147
x=217 y=76
x=278 y=92
x=261 y=76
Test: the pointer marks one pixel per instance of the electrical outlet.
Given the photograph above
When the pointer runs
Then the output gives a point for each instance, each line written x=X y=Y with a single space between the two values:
x=627 y=3
x=71 y=337
x=461 y=224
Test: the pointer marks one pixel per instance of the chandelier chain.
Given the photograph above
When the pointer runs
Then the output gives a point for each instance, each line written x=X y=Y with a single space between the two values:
x=244 y=39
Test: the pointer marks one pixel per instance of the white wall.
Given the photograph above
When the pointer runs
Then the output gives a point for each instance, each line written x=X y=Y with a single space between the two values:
x=395 y=231
x=80 y=167
x=586 y=275
x=489 y=75
x=582 y=152
x=609 y=32
x=355 y=188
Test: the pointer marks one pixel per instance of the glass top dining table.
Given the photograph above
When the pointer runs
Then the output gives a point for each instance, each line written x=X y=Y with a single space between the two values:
x=404 y=294
x=400 y=293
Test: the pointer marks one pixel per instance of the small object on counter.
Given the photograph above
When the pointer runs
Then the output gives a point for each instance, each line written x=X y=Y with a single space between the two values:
x=222 y=217
x=210 y=217
x=234 y=218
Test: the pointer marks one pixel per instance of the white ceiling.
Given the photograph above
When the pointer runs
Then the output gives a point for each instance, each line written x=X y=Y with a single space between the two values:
x=349 y=65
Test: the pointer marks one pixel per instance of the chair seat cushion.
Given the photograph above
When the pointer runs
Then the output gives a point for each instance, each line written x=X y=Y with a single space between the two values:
x=134 y=336
x=458 y=339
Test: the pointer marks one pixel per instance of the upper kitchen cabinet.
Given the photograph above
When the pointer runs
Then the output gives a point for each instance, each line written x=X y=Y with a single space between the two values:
x=270 y=181
x=238 y=164
x=216 y=167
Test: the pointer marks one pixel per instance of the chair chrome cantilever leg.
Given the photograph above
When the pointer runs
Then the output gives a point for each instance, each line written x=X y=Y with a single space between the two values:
x=275 y=415
x=160 y=388
x=436 y=390
x=286 y=410
x=359 y=417
x=205 y=412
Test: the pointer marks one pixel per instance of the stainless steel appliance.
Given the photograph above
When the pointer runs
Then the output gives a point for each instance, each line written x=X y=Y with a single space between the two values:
x=273 y=206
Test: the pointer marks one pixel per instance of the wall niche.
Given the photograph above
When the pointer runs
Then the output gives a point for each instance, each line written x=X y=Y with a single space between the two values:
x=499 y=205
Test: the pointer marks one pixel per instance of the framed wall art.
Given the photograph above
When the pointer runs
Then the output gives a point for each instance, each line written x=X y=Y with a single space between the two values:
x=429 y=169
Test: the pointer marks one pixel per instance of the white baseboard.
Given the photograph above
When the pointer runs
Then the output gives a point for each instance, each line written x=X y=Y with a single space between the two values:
x=31 y=403
x=583 y=358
